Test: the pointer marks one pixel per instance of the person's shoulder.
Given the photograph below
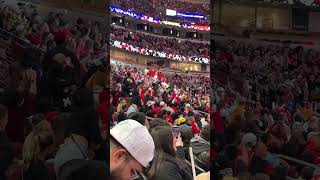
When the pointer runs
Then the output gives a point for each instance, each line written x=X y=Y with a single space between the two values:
x=169 y=162
x=169 y=169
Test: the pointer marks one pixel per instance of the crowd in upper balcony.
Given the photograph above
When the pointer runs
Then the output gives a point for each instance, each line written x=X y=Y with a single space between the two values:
x=161 y=44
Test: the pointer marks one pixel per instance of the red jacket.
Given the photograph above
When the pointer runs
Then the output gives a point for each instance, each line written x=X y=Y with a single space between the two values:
x=195 y=128
x=168 y=118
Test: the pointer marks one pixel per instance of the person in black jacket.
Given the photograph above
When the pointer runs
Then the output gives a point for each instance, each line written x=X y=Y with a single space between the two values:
x=168 y=159
x=5 y=146
x=128 y=85
x=84 y=119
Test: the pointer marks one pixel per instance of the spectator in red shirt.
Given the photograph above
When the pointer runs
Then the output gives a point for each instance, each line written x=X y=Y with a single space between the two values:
x=194 y=126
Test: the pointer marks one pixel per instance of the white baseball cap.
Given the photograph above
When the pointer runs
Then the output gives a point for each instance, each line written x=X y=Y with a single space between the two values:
x=249 y=138
x=136 y=139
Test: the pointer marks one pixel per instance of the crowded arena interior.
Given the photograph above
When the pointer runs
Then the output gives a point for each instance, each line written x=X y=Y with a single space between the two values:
x=160 y=78
x=52 y=62
x=80 y=102
x=265 y=79
x=159 y=89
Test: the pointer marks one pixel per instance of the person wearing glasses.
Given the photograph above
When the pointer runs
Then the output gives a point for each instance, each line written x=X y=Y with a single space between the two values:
x=131 y=150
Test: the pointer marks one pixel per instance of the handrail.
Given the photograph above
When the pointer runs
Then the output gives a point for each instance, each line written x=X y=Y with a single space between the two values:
x=24 y=41
x=196 y=166
x=297 y=161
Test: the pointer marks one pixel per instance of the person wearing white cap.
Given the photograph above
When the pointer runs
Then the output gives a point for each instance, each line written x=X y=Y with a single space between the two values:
x=249 y=140
x=131 y=150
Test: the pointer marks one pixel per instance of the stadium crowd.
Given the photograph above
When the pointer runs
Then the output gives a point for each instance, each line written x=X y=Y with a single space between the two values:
x=84 y=39
x=54 y=113
x=170 y=106
x=157 y=9
x=266 y=102
x=161 y=44
x=51 y=126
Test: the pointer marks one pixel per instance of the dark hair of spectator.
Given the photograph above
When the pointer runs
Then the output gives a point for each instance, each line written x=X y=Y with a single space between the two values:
x=138 y=116
x=158 y=122
x=205 y=133
x=163 y=140
x=186 y=136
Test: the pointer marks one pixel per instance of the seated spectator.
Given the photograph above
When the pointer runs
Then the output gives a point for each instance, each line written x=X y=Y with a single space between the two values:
x=168 y=149
x=140 y=117
x=259 y=164
x=131 y=149
x=201 y=147
x=84 y=170
x=36 y=150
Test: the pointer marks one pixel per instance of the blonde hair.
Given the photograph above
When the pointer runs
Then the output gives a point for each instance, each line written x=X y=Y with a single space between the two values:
x=122 y=106
x=40 y=136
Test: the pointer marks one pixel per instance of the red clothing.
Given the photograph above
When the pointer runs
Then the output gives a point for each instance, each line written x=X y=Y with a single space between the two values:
x=311 y=147
x=195 y=128
x=218 y=122
x=156 y=110
x=103 y=111
x=160 y=76
x=168 y=118
x=143 y=92
x=115 y=99
x=213 y=154
x=62 y=35
x=152 y=73
x=104 y=96
x=35 y=38
x=103 y=108
x=52 y=116
x=174 y=109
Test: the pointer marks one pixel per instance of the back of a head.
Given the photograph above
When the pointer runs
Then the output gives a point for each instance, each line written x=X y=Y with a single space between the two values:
x=205 y=133
x=163 y=139
x=38 y=139
x=83 y=170
x=186 y=135
x=138 y=116
x=158 y=122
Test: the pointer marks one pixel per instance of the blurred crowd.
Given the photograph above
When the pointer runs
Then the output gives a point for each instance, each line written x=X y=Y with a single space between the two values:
x=83 y=38
x=170 y=46
x=157 y=9
x=174 y=108
x=266 y=102
x=51 y=125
